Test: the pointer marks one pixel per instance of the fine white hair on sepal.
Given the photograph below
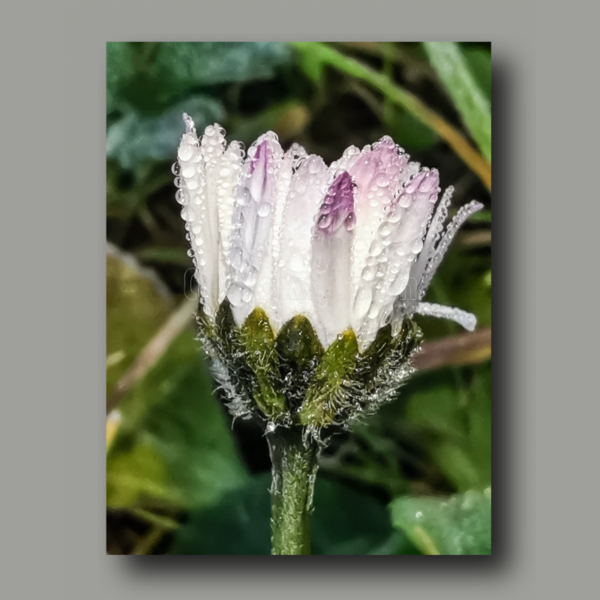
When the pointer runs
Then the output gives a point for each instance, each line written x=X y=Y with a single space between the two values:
x=462 y=317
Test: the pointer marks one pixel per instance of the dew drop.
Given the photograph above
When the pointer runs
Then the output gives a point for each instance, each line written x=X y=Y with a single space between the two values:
x=250 y=277
x=175 y=169
x=234 y=293
x=264 y=209
x=376 y=248
x=385 y=229
x=185 y=152
x=417 y=246
x=244 y=196
x=350 y=221
x=324 y=221
x=405 y=200
x=382 y=180
x=238 y=219
x=368 y=273
x=235 y=257
x=188 y=170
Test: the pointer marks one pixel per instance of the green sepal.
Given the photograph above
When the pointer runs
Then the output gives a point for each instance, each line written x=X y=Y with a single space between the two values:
x=204 y=323
x=324 y=395
x=227 y=330
x=261 y=356
x=300 y=352
x=386 y=347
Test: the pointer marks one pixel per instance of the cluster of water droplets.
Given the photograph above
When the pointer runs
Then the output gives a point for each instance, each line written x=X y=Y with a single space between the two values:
x=252 y=224
x=389 y=230
x=307 y=188
x=207 y=172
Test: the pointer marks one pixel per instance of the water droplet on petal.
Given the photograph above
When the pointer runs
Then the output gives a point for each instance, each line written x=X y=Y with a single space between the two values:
x=417 y=246
x=234 y=293
x=264 y=209
x=368 y=273
x=324 y=221
x=350 y=221
x=185 y=152
x=405 y=200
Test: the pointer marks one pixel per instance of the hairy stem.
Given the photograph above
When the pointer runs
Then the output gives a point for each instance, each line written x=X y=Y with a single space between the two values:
x=294 y=468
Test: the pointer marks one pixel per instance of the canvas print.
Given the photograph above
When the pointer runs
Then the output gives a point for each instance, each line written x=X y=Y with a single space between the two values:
x=298 y=298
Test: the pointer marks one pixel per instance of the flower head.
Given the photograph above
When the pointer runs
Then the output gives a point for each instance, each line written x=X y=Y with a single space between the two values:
x=310 y=275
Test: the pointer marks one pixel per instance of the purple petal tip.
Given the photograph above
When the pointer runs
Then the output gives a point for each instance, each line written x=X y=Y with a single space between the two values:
x=337 y=208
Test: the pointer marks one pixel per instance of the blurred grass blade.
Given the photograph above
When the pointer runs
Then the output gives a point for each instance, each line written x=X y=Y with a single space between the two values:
x=399 y=96
x=471 y=102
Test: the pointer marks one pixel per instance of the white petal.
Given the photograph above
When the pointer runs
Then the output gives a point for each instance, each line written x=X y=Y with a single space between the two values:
x=249 y=261
x=398 y=243
x=198 y=215
x=293 y=287
x=463 y=318
x=228 y=170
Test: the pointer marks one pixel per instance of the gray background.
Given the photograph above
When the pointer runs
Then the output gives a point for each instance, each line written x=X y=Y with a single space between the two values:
x=53 y=242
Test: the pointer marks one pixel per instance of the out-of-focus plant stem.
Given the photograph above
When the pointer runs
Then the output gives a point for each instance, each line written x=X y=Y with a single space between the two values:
x=471 y=157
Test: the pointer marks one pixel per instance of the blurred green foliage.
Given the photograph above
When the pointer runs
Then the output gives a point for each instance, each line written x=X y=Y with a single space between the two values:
x=174 y=457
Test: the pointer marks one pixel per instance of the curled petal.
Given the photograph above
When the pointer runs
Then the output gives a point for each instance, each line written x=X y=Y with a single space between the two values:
x=463 y=318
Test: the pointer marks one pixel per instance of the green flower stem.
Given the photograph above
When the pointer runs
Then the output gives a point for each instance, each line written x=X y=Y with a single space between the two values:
x=294 y=470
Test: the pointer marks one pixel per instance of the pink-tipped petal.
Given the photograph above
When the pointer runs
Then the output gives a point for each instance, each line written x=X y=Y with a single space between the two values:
x=376 y=175
x=331 y=258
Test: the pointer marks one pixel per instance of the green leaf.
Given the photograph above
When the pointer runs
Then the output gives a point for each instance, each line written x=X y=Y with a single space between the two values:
x=119 y=68
x=458 y=525
x=344 y=522
x=173 y=446
x=135 y=138
x=166 y=71
x=453 y=69
x=137 y=304
x=453 y=421
x=480 y=64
